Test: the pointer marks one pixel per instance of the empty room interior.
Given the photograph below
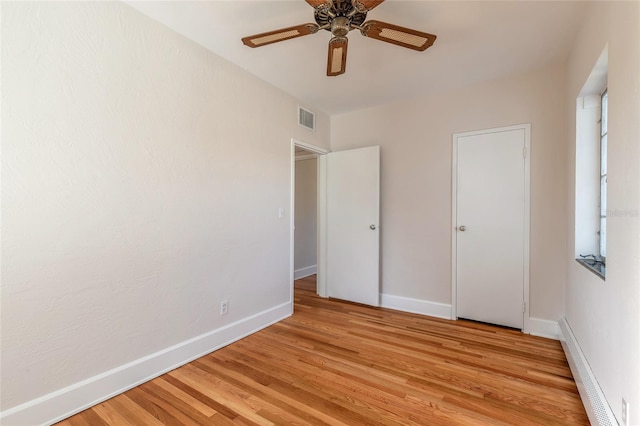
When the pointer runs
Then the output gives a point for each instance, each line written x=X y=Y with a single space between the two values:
x=320 y=212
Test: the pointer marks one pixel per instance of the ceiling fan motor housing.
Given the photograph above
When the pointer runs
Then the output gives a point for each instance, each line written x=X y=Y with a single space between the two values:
x=340 y=26
x=339 y=9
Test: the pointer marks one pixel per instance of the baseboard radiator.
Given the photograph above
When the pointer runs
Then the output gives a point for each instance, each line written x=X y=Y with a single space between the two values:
x=592 y=397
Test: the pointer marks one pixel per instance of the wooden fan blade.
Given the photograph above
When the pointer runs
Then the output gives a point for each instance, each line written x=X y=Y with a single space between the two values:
x=337 y=63
x=280 y=35
x=316 y=3
x=405 y=37
x=367 y=4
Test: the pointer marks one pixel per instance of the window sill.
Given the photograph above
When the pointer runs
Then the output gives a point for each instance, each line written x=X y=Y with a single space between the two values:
x=594 y=266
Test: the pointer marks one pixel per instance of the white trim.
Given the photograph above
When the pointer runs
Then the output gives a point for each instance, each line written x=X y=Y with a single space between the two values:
x=454 y=228
x=544 y=328
x=292 y=219
x=593 y=398
x=309 y=147
x=527 y=215
x=321 y=287
x=65 y=402
x=415 y=306
x=526 y=328
x=321 y=249
x=305 y=272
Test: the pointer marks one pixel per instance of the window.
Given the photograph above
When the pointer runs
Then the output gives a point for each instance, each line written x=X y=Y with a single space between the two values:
x=592 y=128
x=602 y=232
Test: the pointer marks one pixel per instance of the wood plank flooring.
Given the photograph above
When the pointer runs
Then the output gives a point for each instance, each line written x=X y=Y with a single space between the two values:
x=338 y=363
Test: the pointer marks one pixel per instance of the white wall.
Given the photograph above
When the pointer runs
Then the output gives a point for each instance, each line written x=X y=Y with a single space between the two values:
x=605 y=315
x=142 y=177
x=305 y=256
x=416 y=147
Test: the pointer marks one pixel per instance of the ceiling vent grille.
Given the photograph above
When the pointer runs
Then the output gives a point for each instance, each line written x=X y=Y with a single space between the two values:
x=306 y=118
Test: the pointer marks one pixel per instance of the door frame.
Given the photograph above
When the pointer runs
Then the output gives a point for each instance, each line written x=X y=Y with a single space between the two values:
x=321 y=244
x=527 y=214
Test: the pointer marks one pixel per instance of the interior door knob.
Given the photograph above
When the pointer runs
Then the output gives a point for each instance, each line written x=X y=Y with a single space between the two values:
x=462 y=228
x=372 y=227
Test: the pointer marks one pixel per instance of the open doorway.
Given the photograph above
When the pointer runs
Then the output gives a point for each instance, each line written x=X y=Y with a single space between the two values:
x=305 y=256
x=347 y=222
x=308 y=246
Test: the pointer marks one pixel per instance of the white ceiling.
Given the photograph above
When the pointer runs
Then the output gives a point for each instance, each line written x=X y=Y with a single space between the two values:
x=477 y=41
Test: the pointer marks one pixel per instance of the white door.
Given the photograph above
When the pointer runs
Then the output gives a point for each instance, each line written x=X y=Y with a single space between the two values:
x=490 y=226
x=353 y=205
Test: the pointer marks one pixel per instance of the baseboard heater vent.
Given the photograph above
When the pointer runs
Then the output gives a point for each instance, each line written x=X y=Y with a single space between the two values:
x=592 y=397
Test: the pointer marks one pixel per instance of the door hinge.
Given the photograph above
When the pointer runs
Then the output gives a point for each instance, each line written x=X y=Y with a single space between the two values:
x=524 y=152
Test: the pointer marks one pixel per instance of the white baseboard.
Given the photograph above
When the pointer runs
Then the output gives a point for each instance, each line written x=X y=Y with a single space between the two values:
x=595 y=403
x=65 y=402
x=305 y=272
x=416 y=306
x=544 y=328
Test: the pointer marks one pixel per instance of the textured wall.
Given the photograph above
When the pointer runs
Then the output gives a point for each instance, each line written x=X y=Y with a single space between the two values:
x=605 y=315
x=141 y=181
x=416 y=147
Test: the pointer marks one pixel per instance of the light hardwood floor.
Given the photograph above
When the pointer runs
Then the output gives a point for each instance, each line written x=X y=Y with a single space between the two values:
x=337 y=363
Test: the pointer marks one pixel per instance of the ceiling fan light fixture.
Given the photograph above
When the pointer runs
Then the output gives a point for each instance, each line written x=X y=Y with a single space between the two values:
x=339 y=17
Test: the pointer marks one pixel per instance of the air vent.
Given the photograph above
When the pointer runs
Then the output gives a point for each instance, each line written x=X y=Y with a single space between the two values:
x=306 y=118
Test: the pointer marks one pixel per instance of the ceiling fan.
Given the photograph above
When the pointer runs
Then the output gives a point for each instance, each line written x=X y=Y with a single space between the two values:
x=339 y=17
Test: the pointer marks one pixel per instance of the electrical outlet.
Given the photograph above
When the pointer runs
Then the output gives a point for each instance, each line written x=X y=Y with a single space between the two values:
x=224 y=307
x=625 y=413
